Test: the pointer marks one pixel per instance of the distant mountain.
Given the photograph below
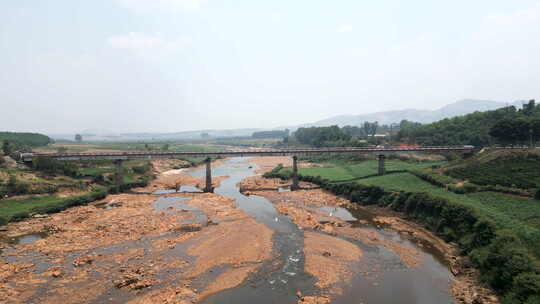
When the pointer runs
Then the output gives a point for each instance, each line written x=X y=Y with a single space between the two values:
x=458 y=108
x=104 y=135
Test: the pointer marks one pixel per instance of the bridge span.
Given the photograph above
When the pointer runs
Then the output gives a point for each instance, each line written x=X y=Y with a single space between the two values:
x=119 y=157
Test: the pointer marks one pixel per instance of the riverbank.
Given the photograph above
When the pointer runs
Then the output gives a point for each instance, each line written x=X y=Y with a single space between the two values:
x=305 y=208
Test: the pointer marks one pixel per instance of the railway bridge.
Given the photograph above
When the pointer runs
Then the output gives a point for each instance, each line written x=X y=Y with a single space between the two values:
x=118 y=158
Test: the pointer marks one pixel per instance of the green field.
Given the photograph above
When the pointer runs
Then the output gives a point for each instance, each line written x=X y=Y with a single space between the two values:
x=351 y=171
x=12 y=209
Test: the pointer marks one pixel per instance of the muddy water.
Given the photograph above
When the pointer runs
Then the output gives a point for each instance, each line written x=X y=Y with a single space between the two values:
x=280 y=278
x=380 y=278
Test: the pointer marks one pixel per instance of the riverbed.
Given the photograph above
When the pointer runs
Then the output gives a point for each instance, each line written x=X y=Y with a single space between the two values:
x=226 y=247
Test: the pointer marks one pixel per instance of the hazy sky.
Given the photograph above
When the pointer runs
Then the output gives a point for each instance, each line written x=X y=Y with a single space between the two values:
x=172 y=65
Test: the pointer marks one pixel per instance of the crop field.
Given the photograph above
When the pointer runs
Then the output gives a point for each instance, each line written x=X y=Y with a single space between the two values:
x=362 y=169
x=516 y=169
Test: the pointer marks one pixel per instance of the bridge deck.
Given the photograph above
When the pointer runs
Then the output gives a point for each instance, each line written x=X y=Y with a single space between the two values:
x=27 y=157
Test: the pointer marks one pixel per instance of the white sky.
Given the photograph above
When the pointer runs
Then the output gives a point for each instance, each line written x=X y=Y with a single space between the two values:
x=172 y=65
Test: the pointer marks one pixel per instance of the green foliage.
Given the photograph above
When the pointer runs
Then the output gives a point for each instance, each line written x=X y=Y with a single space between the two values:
x=514 y=170
x=13 y=210
x=14 y=187
x=471 y=129
x=271 y=134
x=6 y=148
x=511 y=131
x=318 y=136
x=537 y=194
x=142 y=169
x=52 y=166
x=433 y=177
x=25 y=139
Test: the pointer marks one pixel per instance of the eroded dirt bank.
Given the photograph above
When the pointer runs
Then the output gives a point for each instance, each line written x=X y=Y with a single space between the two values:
x=136 y=248
x=321 y=212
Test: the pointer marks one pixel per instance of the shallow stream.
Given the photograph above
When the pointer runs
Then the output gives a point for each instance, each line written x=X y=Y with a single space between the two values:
x=381 y=278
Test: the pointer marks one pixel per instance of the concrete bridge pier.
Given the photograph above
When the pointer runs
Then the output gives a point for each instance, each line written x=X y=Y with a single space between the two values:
x=295 y=185
x=208 y=188
x=119 y=174
x=382 y=166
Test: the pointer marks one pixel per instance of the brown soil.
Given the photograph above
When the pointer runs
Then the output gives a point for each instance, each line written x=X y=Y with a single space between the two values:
x=169 y=178
x=267 y=163
x=256 y=183
x=91 y=251
x=329 y=259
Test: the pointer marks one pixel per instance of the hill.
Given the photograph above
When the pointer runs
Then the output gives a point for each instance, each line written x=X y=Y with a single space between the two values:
x=460 y=107
x=470 y=129
x=25 y=139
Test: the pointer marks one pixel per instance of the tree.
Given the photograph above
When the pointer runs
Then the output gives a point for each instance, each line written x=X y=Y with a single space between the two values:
x=528 y=108
x=6 y=148
x=165 y=147
x=78 y=138
x=511 y=131
x=371 y=128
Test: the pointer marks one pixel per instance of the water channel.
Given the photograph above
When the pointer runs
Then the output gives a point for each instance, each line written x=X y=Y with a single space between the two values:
x=427 y=284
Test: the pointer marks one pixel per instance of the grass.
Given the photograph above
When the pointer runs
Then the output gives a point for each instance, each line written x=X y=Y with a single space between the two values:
x=12 y=209
x=517 y=169
x=522 y=215
x=348 y=171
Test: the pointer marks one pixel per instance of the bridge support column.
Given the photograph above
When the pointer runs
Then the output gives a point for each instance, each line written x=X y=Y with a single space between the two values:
x=382 y=167
x=208 y=188
x=295 y=185
x=119 y=175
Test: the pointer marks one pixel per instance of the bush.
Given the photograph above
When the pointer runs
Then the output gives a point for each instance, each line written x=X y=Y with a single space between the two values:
x=141 y=169
x=15 y=187
x=537 y=195
x=433 y=178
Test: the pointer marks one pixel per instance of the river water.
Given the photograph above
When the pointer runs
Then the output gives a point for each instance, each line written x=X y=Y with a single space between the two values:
x=395 y=282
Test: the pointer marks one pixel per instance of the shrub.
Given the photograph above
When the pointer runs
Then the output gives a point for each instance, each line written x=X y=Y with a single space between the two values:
x=433 y=178
x=537 y=195
x=15 y=187
x=141 y=169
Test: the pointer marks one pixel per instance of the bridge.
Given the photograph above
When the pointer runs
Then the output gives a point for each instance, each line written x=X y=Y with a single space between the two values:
x=119 y=157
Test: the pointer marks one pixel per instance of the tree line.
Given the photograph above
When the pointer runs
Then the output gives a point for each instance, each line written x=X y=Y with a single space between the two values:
x=271 y=134
x=17 y=141
x=334 y=136
x=507 y=125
